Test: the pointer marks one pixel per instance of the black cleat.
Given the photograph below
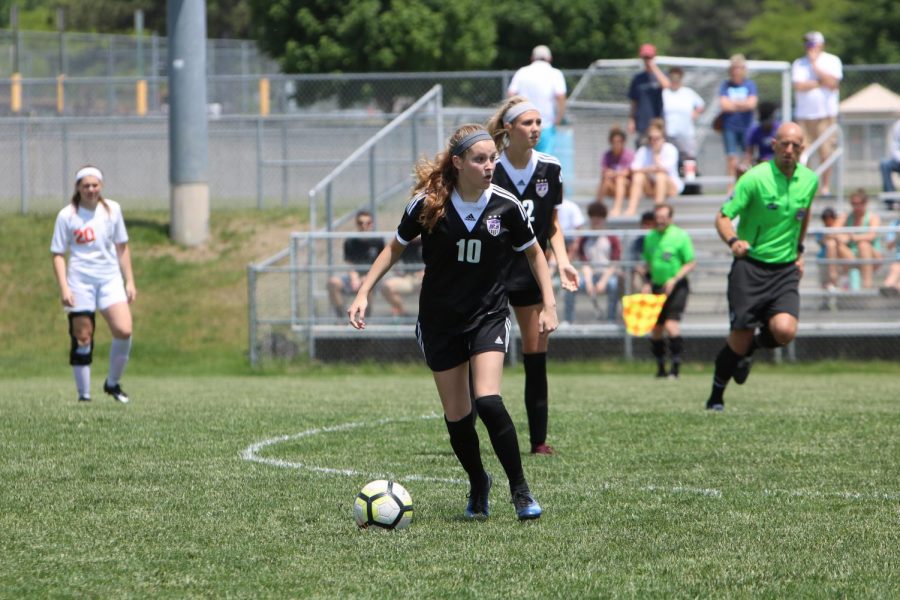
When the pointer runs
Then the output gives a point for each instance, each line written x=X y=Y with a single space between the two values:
x=84 y=398
x=716 y=405
x=742 y=370
x=478 y=500
x=116 y=392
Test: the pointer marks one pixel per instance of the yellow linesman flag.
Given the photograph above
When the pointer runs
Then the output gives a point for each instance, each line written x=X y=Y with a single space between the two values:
x=641 y=311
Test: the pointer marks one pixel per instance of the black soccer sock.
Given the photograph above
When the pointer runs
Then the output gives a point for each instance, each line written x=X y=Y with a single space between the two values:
x=503 y=438
x=658 y=348
x=536 y=396
x=676 y=348
x=464 y=441
x=726 y=361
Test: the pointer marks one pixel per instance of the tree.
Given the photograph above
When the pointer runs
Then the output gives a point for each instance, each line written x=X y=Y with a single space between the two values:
x=707 y=29
x=776 y=33
x=578 y=32
x=321 y=36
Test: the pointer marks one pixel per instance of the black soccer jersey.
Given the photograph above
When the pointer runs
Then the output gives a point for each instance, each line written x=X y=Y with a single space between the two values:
x=466 y=257
x=539 y=194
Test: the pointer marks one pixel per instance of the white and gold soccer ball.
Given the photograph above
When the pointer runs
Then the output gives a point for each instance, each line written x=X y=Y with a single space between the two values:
x=383 y=504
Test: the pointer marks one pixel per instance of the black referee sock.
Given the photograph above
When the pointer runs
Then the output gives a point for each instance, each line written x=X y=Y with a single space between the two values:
x=764 y=339
x=658 y=348
x=464 y=441
x=503 y=438
x=726 y=361
x=536 y=396
x=676 y=348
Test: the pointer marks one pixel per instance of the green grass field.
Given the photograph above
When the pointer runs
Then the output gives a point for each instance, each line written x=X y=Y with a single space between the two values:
x=794 y=491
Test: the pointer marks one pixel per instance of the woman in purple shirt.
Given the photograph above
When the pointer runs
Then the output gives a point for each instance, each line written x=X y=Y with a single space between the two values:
x=616 y=170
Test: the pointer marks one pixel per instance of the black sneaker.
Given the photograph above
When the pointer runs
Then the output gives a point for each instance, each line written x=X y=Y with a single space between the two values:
x=526 y=506
x=116 y=392
x=84 y=398
x=742 y=370
x=716 y=405
x=478 y=500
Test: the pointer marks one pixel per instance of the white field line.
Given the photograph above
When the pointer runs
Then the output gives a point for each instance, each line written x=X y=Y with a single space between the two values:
x=251 y=453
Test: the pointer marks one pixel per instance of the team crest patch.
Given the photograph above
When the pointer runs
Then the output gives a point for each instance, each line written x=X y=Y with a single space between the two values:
x=493 y=225
x=541 y=187
x=801 y=213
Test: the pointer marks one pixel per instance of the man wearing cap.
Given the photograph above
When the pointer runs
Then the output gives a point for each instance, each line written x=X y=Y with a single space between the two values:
x=545 y=87
x=817 y=77
x=645 y=93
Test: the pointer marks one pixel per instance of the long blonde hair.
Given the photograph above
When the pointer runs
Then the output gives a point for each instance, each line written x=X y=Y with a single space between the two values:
x=437 y=178
x=495 y=124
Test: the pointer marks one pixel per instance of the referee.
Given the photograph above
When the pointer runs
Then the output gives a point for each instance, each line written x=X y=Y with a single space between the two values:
x=669 y=254
x=773 y=202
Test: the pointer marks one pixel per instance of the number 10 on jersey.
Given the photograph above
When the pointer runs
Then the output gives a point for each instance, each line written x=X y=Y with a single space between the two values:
x=469 y=251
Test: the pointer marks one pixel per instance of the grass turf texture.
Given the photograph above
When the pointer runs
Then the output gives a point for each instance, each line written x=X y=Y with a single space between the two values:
x=792 y=492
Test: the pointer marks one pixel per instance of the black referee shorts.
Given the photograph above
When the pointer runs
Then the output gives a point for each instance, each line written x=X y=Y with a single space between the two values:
x=757 y=291
x=445 y=350
x=675 y=303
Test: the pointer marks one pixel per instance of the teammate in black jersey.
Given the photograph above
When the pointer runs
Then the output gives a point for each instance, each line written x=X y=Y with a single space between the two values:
x=535 y=179
x=469 y=229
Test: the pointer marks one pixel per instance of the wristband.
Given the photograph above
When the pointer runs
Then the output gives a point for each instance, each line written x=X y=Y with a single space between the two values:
x=801 y=248
x=730 y=241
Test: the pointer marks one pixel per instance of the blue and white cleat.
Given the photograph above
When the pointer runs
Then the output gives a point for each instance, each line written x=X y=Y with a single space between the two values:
x=526 y=506
x=478 y=500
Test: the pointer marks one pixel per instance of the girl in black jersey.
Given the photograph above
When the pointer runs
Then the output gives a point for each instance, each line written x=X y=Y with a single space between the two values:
x=469 y=229
x=535 y=179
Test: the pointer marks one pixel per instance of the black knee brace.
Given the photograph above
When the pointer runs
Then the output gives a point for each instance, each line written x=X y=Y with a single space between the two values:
x=76 y=358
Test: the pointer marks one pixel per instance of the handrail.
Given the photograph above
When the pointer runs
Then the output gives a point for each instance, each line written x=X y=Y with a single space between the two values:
x=432 y=94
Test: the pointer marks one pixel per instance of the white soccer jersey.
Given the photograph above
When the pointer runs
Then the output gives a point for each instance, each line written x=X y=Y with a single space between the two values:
x=90 y=236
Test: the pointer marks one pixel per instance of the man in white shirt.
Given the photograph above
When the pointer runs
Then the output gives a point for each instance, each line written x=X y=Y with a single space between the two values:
x=545 y=87
x=681 y=107
x=891 y=164
x=817 y=78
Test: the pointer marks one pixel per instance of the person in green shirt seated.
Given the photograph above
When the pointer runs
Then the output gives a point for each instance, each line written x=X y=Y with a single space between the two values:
x=773 y=201
x=669 y=256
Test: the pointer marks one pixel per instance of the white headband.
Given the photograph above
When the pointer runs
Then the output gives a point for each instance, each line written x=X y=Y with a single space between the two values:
x=517 y=110
x=82 y=173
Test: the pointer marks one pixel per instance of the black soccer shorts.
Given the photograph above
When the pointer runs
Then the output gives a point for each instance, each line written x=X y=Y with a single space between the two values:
x=757 y=291
x=445 y=350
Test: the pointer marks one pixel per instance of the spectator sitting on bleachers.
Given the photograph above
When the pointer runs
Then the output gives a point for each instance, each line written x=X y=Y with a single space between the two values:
x=864 y=245
x=615 y=170
x=828 y=249
x=407 y=281
x=599 y=274
x=359 y=252
x=654 y=171
x=636 y=249
x=891 y=285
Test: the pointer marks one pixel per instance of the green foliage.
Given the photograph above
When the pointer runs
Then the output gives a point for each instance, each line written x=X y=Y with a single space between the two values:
x=708 y=29
x=374 y=35
x=776 y=32
x=791 y=493
x=578 y=31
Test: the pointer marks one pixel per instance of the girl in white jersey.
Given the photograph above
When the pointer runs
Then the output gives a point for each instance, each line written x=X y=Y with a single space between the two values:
x=91 y=229
x=535 y=179
x=469 y=230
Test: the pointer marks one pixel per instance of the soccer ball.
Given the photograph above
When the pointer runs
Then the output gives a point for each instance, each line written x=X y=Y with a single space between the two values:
x=383 y=504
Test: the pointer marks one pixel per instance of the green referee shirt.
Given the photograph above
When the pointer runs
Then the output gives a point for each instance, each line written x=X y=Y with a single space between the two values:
x=771 y=208
x=665 y=253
